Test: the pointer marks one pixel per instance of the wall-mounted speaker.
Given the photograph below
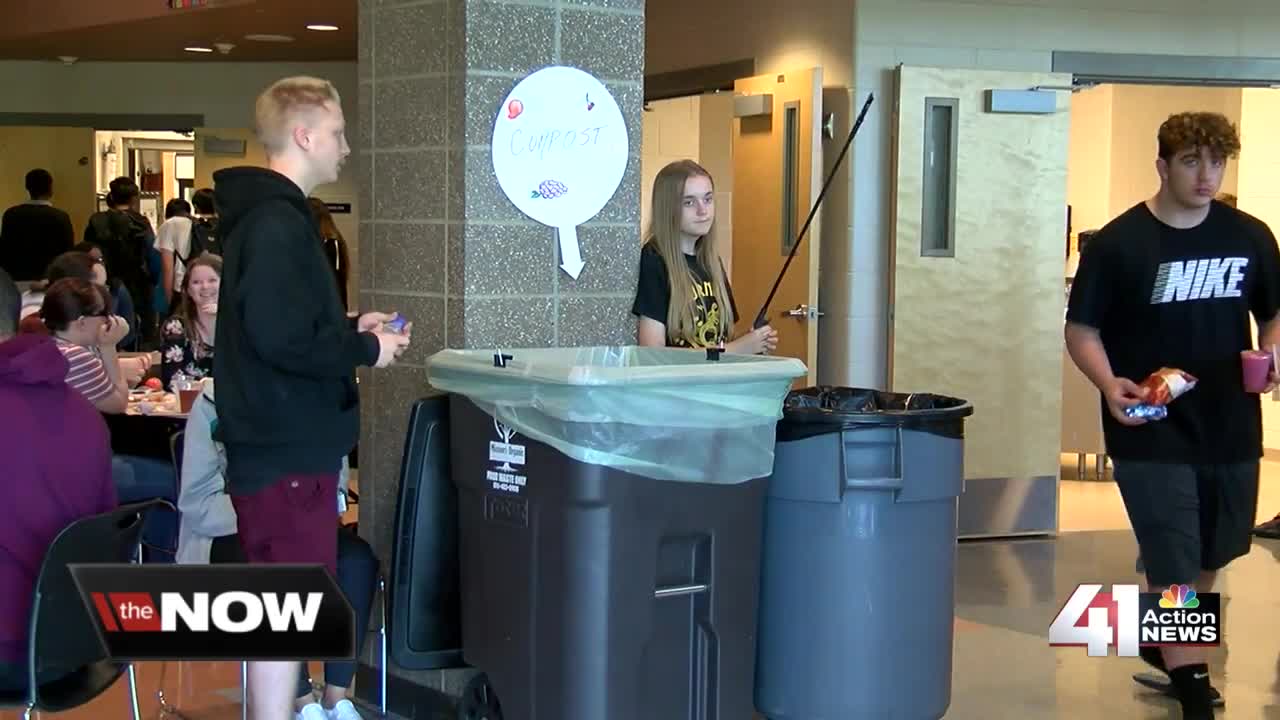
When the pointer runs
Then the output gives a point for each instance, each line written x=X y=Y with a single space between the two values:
x=224 y=146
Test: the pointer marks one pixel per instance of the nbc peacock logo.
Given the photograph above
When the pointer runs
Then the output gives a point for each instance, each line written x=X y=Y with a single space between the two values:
x=1179 y=597
x=1179 y=616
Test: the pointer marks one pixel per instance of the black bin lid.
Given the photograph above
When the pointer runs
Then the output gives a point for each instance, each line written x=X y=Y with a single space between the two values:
x=844 y=406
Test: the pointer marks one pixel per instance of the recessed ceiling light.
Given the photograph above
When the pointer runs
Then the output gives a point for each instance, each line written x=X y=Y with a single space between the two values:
x=269 y=37
x=198 y=49
x=322 y=28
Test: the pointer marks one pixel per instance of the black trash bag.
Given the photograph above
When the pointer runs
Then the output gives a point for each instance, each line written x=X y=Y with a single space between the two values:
x=820 y=410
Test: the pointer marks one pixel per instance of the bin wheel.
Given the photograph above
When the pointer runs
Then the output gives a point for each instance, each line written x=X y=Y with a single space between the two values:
x=479 y=701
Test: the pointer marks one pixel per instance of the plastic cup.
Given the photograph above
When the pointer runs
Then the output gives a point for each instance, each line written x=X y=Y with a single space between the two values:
x=187 y=398
x=1256 y=365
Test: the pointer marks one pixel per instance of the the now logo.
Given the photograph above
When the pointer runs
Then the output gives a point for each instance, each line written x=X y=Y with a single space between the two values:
x=231 y=612
x=217 y=612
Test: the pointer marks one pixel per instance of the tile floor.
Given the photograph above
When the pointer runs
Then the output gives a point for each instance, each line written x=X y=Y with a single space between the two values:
x=1007 y=594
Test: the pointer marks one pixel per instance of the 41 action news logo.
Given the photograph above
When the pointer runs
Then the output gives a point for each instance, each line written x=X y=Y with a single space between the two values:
x=217 y=612
x=1128 y=619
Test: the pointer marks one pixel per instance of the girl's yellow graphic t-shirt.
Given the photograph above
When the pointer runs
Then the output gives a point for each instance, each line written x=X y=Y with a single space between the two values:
x=653 y=296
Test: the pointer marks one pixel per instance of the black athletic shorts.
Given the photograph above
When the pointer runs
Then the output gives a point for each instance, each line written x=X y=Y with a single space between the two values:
x=1188 y=518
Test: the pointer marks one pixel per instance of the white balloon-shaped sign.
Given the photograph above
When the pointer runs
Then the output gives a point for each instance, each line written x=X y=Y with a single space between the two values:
x=560 y=151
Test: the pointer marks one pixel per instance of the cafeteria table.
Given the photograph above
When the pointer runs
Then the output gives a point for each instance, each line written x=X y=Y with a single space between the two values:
x=144 y=434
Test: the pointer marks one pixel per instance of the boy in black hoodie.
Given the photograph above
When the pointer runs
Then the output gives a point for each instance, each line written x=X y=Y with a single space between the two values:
x=287 y=353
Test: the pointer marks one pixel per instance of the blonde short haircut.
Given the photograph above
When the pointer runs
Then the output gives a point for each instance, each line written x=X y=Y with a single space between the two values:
x=278 y=106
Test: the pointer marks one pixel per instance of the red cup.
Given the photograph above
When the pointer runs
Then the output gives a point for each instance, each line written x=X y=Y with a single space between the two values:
x=1256 y=365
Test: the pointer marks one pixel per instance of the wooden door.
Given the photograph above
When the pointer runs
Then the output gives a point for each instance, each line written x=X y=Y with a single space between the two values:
x=777 y=165
x=977 y=298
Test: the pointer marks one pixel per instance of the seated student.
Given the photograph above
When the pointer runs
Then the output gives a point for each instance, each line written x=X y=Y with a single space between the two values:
x=121 y=301
x=188 y=334
x=75 y=312
x=697 y=310
x=78 y=315
x=208 y=534
x=86 y=265
x=57 y=469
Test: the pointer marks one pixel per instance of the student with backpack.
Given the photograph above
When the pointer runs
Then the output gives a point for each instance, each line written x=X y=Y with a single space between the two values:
x=186 y=236
x=175 y=228
x=127 y=241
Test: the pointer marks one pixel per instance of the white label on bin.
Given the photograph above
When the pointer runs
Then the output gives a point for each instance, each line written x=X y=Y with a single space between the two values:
x=505 y=452
x=506 y=482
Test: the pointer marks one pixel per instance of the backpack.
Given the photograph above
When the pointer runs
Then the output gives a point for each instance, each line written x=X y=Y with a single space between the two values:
x=124 y=244
x=202 y=239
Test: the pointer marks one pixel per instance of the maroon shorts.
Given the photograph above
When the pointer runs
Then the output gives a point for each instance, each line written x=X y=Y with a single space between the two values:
x=293 y=521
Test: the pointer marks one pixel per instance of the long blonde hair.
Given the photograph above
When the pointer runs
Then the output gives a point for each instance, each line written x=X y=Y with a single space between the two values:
x=664 y=233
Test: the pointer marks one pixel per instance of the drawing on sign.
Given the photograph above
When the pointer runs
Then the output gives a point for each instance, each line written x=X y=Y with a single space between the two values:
x=550 y=190
x=559 y=135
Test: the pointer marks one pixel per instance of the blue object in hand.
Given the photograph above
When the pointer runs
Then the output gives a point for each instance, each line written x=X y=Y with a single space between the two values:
x=1147 y=412
x=396 y=323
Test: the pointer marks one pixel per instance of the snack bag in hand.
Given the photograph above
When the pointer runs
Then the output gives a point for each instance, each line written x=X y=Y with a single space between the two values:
x=1163 y=387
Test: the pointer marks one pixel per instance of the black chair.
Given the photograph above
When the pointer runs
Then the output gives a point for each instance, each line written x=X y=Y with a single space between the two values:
x=176 y=447
x=154 y=552
x=175 y=456
x=66 y=663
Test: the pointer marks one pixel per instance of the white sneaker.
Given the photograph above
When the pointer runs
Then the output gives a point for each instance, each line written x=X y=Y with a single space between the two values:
x=344 y=710
x=312 y=711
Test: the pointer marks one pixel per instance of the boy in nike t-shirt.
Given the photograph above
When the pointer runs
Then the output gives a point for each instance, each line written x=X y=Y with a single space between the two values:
x=1172 y=283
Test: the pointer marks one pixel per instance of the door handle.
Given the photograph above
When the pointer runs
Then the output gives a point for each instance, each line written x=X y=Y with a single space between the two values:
x=804 y=311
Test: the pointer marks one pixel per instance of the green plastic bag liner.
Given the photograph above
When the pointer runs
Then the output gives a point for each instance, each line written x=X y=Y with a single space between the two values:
x=662 y=413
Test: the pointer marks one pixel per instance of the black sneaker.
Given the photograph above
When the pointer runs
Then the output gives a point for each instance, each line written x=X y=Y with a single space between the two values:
x=1161 y=684
x=1191 y=684
x=1269 y=529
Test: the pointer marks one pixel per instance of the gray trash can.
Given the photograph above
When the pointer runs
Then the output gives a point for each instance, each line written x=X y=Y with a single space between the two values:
x=858 y=574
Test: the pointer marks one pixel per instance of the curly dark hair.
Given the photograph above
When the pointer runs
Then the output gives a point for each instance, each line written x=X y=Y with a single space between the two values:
x=1194 y=130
